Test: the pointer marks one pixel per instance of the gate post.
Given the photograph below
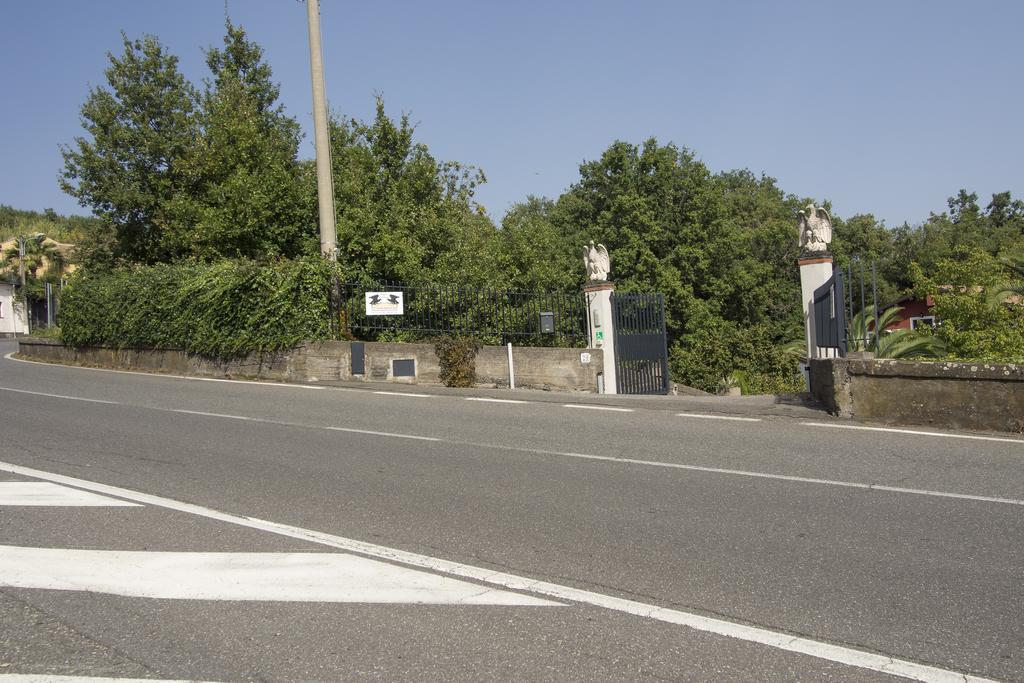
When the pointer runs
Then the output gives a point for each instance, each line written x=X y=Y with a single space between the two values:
x=601 y=323
x=815 y=228
x=814 y=272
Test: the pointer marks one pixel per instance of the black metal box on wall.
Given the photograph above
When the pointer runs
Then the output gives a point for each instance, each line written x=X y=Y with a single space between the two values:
x=404 y=367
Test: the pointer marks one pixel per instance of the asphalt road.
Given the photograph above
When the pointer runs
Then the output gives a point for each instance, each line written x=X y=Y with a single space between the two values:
x=648 y=544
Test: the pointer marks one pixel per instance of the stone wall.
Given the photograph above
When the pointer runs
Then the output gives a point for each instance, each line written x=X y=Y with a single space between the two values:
x=982 y=396
x=535 y=367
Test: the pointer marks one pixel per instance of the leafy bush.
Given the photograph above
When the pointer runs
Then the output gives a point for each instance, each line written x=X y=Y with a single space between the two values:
x=457 y=356
x=224 y=308
x=720 y=349
x=976 y=322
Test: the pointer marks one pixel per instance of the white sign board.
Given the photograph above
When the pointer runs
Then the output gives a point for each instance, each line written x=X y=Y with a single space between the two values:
x=384 y=303
x=585 y=358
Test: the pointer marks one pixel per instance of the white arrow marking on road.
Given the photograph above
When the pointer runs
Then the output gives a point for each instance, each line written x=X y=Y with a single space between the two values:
x=293 y=577
x=39 y=494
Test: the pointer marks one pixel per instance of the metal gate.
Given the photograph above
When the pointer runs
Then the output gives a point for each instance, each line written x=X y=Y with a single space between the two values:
x=641 y=349
x=829 y=317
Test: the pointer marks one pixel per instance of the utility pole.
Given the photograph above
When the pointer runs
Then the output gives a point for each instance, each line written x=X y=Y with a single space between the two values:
x=21 y=259
x=324 y=183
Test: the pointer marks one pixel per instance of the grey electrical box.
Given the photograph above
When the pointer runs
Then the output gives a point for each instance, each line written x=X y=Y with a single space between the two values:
x=547 y=323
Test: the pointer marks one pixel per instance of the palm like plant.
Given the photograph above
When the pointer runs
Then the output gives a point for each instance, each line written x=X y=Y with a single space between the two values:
x=1015 y=263
x=865 y=333
x=38 y=253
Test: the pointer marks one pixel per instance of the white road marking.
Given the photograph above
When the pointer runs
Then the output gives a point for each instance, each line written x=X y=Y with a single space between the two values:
x=70 y=398
x=756 y=475
x=373 y=433
x=590 y=407
x=764 y=636
x=205 y=414
x=494 y=400
x=943 y=435
x=283 y=423
x=402 y=393
x=46 y=494
x=50 y=678
x=706 y=416
x=290 y=577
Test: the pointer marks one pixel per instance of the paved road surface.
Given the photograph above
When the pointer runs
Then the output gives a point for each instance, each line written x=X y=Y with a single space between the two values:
x=167 y=528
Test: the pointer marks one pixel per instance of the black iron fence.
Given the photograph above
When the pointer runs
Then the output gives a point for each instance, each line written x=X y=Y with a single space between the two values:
x=861 y=297
x=371 y=312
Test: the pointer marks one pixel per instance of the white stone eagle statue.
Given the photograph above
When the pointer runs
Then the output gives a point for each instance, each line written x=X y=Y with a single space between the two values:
x=596 y=261
x=815 y=229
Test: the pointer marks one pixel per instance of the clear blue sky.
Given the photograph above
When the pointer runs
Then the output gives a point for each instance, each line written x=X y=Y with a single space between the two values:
x=882 y=107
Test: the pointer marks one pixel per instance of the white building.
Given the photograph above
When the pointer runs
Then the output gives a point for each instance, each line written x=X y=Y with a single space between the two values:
x=12 y=316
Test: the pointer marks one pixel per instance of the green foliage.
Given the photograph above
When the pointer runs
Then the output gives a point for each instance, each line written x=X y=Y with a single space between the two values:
x=457 y=358
x=224 y=308
x=973 y=324
x=863 y=335
x=720 y=348
x=173 y=173
x=128 y=168
x=402 y=215
x=247 y=195
x=15 y=222
x=40 y=254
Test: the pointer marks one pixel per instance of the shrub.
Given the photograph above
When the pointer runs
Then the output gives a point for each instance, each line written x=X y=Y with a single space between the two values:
x=457 y=357
x=225 y=308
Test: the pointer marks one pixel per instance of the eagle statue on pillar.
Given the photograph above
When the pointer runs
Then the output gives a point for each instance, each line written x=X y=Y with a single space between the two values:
x=597 y=262
x=815 y=229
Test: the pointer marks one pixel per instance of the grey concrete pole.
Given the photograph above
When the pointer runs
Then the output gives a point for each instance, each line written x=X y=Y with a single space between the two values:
x=21 y=259
x=324 y=183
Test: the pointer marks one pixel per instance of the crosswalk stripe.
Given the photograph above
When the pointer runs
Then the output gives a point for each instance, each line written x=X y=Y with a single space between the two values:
x=45 y=494
x=291 y=577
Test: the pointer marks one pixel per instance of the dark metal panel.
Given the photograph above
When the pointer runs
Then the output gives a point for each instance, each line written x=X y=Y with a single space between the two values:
x=404 y=367
x=358 y=358
x=829 y=311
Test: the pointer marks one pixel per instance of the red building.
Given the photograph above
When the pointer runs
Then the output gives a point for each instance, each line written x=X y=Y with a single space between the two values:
x=915 y=312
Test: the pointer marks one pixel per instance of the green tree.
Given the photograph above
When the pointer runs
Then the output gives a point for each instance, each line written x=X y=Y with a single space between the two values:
x=128 y=167
x=973 y=324
x=532 y=254
x=247 y=194
x=403 y=215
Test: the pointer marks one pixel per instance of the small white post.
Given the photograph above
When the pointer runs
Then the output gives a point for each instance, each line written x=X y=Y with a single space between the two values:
x=511 y=369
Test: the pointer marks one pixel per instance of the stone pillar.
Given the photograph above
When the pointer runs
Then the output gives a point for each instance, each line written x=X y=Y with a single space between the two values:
x=815 y=270
x=602 y=335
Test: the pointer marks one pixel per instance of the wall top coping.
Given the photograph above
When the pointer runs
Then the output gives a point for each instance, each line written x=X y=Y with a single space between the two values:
x=881 y=367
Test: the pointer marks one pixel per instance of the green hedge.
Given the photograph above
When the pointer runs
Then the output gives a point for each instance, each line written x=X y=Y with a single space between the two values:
x=224 y=308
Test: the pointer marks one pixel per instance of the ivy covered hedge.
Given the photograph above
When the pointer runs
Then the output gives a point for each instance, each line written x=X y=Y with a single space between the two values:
x=224 y=308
